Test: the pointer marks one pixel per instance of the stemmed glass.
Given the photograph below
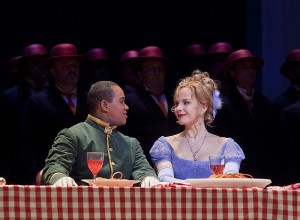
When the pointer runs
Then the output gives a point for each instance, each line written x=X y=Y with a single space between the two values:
x=95 y=162
x=217 y=164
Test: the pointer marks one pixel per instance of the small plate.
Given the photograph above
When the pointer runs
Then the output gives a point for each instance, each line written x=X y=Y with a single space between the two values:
x=110 y=182
x=229 y=183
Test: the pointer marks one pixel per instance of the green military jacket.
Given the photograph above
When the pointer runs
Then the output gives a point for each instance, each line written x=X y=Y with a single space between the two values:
x=67 y=156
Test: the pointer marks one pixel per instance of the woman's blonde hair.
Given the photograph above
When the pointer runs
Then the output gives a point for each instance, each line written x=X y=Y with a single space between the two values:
x=204 y=88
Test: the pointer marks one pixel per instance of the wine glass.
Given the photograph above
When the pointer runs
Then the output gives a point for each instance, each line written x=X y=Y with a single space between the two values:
x=95 y=162
x=217 y=164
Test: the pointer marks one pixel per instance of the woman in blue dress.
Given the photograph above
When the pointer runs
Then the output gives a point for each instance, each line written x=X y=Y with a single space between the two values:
x=185 y=155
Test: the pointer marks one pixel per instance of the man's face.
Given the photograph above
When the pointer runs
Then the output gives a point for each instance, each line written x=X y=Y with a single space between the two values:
x=66 y=71
x=244 y=74
x=100 y=71
x=216 y=64
x=37 y=68
x=152 y=74
x=117 y=109
x=129 y=75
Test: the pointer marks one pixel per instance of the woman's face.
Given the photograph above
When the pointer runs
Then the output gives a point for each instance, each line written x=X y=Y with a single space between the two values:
x=187 y=108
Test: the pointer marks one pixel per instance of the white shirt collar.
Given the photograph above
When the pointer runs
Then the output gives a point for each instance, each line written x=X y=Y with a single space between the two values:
x=243 y=91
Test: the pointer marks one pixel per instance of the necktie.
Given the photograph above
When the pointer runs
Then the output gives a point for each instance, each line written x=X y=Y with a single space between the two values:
x=249 y=105
x=70 y=103
x=161 y=104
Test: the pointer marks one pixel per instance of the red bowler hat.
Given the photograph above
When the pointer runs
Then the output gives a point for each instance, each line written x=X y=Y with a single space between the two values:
x=220 y=48
x=33 y=50
x=14 y=61
x=152 y=52
x=292 y=57
x=130 y=55
x=241 y=55
x=196 y=50
x=97 y=54
x=13 y=65
x=64 y=51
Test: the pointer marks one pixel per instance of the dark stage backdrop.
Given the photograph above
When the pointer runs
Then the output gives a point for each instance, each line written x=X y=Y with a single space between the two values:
x=119 y=25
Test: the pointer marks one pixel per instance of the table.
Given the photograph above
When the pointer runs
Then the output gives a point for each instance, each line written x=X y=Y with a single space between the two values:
x=88 y=202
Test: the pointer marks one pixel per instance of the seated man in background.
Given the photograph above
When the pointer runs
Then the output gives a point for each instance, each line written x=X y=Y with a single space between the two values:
x=66 y=163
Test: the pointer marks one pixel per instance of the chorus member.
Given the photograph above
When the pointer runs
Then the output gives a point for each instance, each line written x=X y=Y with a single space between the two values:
x=61 y=105
x=33 y=77
x=149 y=115
x=290 y=69
x=97 y=66
x=249 y=117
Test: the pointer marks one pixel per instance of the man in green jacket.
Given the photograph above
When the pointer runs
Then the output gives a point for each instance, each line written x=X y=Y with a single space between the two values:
x=66 y=163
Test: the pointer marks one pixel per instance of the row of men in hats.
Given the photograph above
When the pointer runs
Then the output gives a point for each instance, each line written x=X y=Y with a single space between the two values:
x=196 y=56
x=96 y=65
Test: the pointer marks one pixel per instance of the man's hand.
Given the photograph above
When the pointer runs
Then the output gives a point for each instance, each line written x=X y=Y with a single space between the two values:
x=149 y=181
x=65 y=181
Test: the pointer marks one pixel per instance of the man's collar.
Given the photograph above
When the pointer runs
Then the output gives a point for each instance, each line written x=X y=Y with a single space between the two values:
x=243 y=92
x=107 y=128
x=74 y=92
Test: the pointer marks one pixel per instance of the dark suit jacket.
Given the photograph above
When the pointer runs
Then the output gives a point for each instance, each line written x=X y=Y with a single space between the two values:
x=287 y=98
x=44 y=115
x=291 y=131
x=256 y=133
x=12 y=101
x=146 y=121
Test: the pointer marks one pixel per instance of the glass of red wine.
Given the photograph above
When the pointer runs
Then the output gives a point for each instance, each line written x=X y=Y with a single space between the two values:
x=95 y=162
x=217 y=164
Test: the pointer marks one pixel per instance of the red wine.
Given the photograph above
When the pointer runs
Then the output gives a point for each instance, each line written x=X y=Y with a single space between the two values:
x=217 y=169
x=95 y=166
